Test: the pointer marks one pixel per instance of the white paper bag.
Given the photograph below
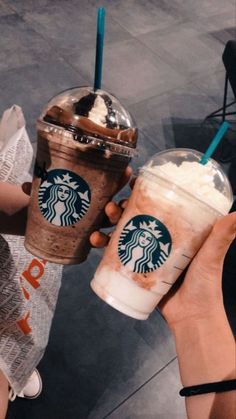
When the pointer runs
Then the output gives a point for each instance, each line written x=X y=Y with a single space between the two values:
x=29 y=286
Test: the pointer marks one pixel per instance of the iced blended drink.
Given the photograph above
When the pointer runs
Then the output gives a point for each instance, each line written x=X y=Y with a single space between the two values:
x=172 y=209
x=85 y=141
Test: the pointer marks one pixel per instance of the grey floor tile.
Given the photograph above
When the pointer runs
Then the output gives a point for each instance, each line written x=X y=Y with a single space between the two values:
x=176 y=119
x=71 y=27
x=144 y=14
x=187 y=48
x=158 y=399
x=32 y=86
x=213 y=87
x=21 y=6
x=139 y=17
x=202 y=8
x=131 y=71
x=222 y=26
x=5 y=9
x=20 y=45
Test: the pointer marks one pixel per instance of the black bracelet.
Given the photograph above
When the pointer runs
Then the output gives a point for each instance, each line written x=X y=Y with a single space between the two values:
x=217 y=387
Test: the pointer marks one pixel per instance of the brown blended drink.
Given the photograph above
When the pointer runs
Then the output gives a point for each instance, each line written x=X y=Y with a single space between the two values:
x=85 y=141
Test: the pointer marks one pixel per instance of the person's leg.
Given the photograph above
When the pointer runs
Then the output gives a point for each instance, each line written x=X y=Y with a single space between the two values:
x=4 y=391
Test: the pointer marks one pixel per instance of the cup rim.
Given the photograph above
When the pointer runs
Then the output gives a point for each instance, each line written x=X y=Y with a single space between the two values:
x=93 y=142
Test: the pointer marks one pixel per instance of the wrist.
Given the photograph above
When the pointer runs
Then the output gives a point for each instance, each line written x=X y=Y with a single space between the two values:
x=205 y=350
x=204 y=322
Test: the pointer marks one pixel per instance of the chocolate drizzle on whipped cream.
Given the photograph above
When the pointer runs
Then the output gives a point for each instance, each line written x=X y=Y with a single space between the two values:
x=90 y=114
x=99 y=109
x=85 y=104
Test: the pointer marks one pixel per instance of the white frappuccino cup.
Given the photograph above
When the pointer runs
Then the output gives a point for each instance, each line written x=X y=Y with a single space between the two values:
x=172 y=209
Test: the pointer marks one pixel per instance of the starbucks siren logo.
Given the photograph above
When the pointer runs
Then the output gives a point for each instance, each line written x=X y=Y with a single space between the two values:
x=144 y=244
x=64 y=197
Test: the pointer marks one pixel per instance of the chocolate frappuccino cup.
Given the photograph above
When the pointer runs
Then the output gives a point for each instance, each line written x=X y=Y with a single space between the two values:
x=173 y=207
x=85 y=141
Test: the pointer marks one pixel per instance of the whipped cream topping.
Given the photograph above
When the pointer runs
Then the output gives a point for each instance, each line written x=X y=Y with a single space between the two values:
x=98 y=112
x=196 y=179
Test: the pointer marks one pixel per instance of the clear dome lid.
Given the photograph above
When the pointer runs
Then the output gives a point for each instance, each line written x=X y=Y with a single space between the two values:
x=182 y=167
x=91 y=116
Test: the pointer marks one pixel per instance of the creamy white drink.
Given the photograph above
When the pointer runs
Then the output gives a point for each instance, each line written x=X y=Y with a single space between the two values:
x=172 y=209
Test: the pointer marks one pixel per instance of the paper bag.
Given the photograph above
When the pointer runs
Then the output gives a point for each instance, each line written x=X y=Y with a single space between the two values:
x=29 y=286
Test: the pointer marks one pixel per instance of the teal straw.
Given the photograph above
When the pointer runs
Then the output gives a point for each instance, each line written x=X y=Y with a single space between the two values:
x=99 y=47
x=216 y=140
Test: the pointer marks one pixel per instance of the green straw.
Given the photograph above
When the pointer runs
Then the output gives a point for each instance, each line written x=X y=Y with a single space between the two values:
x=216 y=140
x=99 y=47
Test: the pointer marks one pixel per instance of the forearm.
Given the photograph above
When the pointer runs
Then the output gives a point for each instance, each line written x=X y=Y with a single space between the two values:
x=206 y=353
x=13 y=209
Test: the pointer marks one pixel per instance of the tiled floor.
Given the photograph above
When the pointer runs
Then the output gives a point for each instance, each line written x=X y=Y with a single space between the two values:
x=163 y=60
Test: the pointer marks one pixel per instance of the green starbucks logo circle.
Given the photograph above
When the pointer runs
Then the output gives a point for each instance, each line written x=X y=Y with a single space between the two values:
x=64 y=197
x=144 y=244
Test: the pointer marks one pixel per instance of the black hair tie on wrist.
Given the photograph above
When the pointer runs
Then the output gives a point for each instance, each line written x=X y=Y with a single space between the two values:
x=218 y=387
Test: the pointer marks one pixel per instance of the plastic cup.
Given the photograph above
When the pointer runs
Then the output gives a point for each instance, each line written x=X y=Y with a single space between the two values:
x=85 y=141
x=172 y=209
